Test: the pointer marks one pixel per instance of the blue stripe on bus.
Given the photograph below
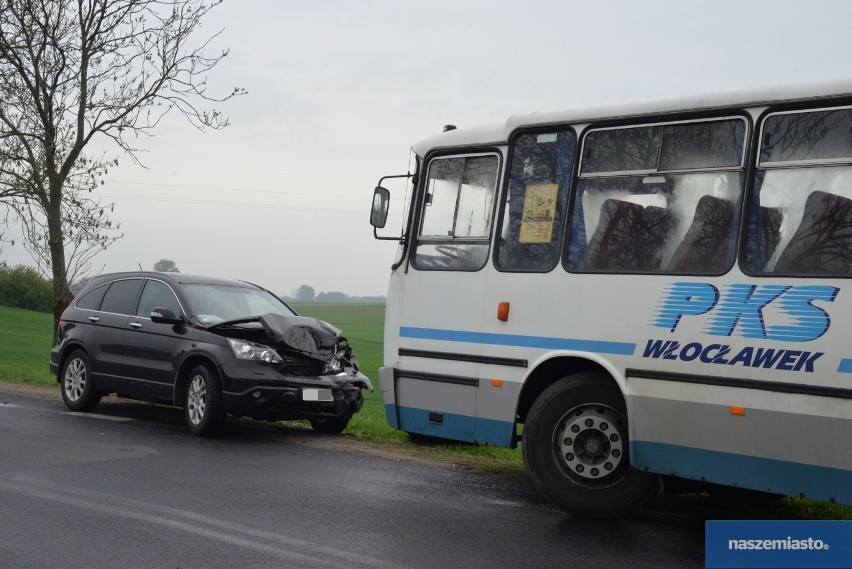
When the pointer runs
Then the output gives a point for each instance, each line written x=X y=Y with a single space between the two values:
x=845 y=366
x=779 y=476
x=601 y=347
x=455 y=427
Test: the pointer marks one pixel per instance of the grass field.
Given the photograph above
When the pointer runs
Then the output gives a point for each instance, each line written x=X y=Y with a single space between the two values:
x=25 y=341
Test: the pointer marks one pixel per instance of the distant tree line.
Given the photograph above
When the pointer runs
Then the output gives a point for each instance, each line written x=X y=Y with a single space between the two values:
x=24 y=287
x=306 y=293
x=333 y=296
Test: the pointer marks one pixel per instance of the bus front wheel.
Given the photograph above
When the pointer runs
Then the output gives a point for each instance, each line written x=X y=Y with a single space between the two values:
x=576 y=449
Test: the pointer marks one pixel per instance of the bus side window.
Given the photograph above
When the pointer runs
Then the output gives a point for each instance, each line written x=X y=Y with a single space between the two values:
x=658 y=198
x=801 y=209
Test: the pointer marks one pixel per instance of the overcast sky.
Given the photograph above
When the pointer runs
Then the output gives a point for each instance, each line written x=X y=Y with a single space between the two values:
x=339 y=90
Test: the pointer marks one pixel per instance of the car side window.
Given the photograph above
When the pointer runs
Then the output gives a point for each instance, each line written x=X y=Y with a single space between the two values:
x=92 y=299
x=121 y=296
x=157 y=295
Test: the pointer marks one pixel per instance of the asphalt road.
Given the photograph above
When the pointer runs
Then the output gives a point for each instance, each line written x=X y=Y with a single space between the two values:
x=129 y=487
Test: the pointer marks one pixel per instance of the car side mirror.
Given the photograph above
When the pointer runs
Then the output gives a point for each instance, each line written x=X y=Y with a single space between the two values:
x=379 y=213
x=165 y=316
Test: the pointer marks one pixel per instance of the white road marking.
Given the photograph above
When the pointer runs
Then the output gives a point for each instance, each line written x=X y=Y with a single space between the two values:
x=2 y=405
x=315 y=555
x=96 y=416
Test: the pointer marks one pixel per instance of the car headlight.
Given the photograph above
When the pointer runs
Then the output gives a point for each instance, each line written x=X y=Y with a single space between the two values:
x=250 y=351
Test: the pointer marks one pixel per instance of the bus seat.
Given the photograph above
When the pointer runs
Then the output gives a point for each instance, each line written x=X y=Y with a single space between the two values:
x=656 y=226
x=823 y=242
x=705 y=246
x=615 y=243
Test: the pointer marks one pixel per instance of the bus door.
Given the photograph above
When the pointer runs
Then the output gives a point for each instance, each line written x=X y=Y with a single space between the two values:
x=430 y=307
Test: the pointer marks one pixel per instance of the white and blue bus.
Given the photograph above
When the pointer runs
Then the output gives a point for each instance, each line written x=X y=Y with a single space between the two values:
x=644 y=290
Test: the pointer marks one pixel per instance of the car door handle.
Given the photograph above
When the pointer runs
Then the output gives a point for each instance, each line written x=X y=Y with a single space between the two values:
x=94 y=319
x=135 y=325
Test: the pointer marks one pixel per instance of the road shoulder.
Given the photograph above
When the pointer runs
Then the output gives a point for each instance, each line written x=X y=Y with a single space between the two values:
x=421 y=454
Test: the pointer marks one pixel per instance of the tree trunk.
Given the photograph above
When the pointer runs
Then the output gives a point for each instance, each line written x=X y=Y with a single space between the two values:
x=61 y=292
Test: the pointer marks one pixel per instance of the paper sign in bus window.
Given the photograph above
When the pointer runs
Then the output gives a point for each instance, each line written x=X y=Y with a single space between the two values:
x=539 y=212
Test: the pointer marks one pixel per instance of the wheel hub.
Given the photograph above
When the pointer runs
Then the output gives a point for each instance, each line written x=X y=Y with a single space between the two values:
x=75 y=379
x=590 y=442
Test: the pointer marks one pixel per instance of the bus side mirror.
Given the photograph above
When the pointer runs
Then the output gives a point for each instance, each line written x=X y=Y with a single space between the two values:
x=379 y=214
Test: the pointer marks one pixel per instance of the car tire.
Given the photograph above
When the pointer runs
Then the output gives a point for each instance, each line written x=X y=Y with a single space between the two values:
x=330 y=425
x=78 y=389
x=203 y=408
x=576 y=449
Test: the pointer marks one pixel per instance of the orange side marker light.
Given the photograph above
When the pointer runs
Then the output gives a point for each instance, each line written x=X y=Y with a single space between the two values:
x=740 y=411
x=503 y=311
x=496 y=383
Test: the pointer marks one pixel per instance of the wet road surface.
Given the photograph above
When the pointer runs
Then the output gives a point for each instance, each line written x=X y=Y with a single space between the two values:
x=128 y=486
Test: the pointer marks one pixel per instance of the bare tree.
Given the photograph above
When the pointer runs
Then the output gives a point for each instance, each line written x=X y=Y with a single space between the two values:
x=71 y=70
x=86 y=227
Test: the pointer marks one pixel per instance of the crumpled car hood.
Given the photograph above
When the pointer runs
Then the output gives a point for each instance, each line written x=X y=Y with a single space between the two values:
x=310 y=336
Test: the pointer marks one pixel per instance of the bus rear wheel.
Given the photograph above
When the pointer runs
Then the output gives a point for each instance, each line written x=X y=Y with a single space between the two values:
x=576 y=449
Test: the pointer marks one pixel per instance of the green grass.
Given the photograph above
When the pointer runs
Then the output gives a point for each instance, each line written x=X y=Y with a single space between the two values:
x=25 y=341
x=26 y=337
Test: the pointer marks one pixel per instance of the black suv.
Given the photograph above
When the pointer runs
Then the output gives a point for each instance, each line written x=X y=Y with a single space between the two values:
x=211 y=346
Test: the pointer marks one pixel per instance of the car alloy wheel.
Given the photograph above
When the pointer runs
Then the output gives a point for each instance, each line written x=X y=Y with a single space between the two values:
x=75 y=379
x=197 y=399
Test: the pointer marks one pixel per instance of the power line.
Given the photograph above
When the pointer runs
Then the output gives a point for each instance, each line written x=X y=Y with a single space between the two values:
x=276 y=192
x=235 y=204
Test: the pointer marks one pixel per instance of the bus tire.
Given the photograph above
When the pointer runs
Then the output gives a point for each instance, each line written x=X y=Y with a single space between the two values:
x=575 y=447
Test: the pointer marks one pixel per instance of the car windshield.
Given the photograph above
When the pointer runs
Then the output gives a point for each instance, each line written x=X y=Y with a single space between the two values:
x=213 y=304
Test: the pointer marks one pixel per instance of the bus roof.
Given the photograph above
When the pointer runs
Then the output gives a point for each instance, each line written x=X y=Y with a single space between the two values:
x=497 y=134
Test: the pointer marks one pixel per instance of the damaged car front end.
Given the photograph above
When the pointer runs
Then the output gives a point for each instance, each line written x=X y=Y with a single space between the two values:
x=291 y=367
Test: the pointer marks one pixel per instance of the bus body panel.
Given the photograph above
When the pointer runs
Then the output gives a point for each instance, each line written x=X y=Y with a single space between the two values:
x=471 y=412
